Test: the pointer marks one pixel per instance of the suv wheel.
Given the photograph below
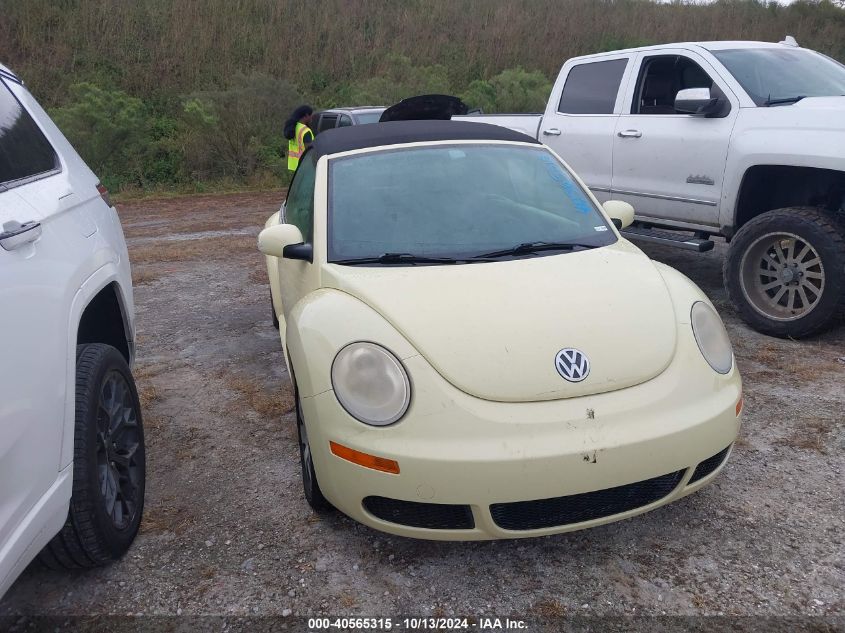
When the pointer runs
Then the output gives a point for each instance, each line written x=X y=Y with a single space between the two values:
x=785 y=271
x=313 y=494
x=108 y=464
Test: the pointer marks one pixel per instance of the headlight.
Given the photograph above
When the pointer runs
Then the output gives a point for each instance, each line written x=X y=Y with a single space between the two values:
x=711 y=337
x=371 y=384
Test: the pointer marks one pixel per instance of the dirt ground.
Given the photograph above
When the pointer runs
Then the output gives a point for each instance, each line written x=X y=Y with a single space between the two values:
x=227 y=530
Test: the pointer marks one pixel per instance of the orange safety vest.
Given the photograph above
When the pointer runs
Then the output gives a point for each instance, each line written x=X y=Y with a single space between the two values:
x=296 y=145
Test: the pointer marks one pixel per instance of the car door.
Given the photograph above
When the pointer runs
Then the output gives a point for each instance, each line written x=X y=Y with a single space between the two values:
x=581 y=116
x=670 y=166
x=295 y=276
x=36 y=271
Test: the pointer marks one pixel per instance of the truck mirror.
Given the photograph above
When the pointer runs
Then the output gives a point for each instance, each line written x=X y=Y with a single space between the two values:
x=696 y=101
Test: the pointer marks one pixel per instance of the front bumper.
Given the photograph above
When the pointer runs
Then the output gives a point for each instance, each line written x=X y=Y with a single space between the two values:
x=504 y=467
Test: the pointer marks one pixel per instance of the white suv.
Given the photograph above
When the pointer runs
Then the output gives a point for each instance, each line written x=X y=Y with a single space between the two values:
x=72 y=467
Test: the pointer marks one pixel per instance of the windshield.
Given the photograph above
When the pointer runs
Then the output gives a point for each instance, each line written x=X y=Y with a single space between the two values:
x=457 y=201
x=368 y=117
x=771 y=74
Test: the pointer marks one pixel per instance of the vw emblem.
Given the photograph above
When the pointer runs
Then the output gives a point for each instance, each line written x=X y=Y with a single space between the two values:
x=572 y=364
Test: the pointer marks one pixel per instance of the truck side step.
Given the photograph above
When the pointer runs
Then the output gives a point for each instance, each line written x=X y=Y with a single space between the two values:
x=669 y=238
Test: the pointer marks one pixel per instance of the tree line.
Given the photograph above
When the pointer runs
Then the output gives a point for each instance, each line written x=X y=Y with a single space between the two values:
x=191 y=94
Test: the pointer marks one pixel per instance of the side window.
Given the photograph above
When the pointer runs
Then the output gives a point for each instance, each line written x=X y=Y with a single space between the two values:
x=661 y=77
x=299 y=207
x=327 y=121
x=24 y=151
x=345 y=121
x=592 y=88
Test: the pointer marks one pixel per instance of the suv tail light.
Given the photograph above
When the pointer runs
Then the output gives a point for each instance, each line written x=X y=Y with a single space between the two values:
x=104 y=193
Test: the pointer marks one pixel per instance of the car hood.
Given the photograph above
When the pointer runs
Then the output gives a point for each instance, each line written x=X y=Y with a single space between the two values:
x=424 y=107
x=493 y=330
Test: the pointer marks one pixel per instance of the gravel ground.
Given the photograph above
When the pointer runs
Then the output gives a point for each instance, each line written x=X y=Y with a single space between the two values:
x=227 y=531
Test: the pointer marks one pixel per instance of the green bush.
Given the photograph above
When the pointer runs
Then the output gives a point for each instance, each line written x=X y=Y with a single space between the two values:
x=512 y=90
x=399 y=79
x=164 y=160
x=236 y=133
x=110 y=130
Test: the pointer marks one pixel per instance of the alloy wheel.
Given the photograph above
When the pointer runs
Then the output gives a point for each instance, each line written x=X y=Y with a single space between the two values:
x=782 y=276
x=118 y=442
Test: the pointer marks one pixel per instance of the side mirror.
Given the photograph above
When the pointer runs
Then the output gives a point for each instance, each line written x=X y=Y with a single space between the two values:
x=621 y=213
x=696 y=101
x=284 y=240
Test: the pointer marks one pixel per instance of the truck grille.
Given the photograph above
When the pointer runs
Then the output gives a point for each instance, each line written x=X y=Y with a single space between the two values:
x=434 y=516
x=709 y=465
x=545 y=513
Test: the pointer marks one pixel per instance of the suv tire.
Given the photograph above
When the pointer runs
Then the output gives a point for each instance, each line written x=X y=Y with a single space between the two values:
x=108 y=464
x=785 y=271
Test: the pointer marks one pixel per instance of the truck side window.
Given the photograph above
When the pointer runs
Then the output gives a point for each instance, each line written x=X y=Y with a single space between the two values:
x=591 y=88
x=24 y=151
x=299 y=206
x=345 y=121
x=661 y=77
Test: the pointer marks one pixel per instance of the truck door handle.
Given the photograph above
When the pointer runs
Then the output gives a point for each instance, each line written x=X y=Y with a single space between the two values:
x=14 y=234
x=552 y=131
x=630 y=134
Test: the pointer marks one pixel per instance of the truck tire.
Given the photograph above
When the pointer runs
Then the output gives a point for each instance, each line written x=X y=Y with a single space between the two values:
x=785 y=271
x=108 y=464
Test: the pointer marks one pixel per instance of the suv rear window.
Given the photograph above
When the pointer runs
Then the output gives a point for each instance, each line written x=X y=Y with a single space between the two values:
x=24 y=151
x=327 y=122
x=592 y=88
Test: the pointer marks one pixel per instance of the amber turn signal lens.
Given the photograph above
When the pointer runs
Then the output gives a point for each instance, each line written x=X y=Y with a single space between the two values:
x=739 y=406
x=364 y=459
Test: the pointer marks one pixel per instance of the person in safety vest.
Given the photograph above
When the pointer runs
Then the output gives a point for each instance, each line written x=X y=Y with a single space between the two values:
x=298 y=133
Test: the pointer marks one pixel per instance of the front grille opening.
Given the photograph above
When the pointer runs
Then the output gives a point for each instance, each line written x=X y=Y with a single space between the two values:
x=709 y=465
x=433 y=516
x=558 y=511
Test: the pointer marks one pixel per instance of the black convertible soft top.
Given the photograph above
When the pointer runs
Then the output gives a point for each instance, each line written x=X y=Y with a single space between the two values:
x=344 y=139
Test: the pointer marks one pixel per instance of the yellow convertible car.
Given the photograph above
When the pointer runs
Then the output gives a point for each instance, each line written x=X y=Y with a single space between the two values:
x=475 y=349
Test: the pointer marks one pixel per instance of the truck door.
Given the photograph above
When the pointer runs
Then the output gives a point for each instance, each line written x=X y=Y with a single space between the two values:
x=581 y=116
x=670 y=166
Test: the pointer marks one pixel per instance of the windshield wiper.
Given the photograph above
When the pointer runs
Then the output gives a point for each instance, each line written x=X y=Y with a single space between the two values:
x=534 y=247
x=399 y=258
x=771 y=102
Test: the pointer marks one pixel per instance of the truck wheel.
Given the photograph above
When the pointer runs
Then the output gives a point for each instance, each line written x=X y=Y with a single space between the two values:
x=313 y=494
x=108 y=464
x=785 y=271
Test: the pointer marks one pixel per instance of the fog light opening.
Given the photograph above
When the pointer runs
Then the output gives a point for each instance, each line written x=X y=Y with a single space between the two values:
x=366 y=460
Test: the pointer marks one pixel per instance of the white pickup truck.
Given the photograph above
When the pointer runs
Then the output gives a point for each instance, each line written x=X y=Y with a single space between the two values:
x=743 y=140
